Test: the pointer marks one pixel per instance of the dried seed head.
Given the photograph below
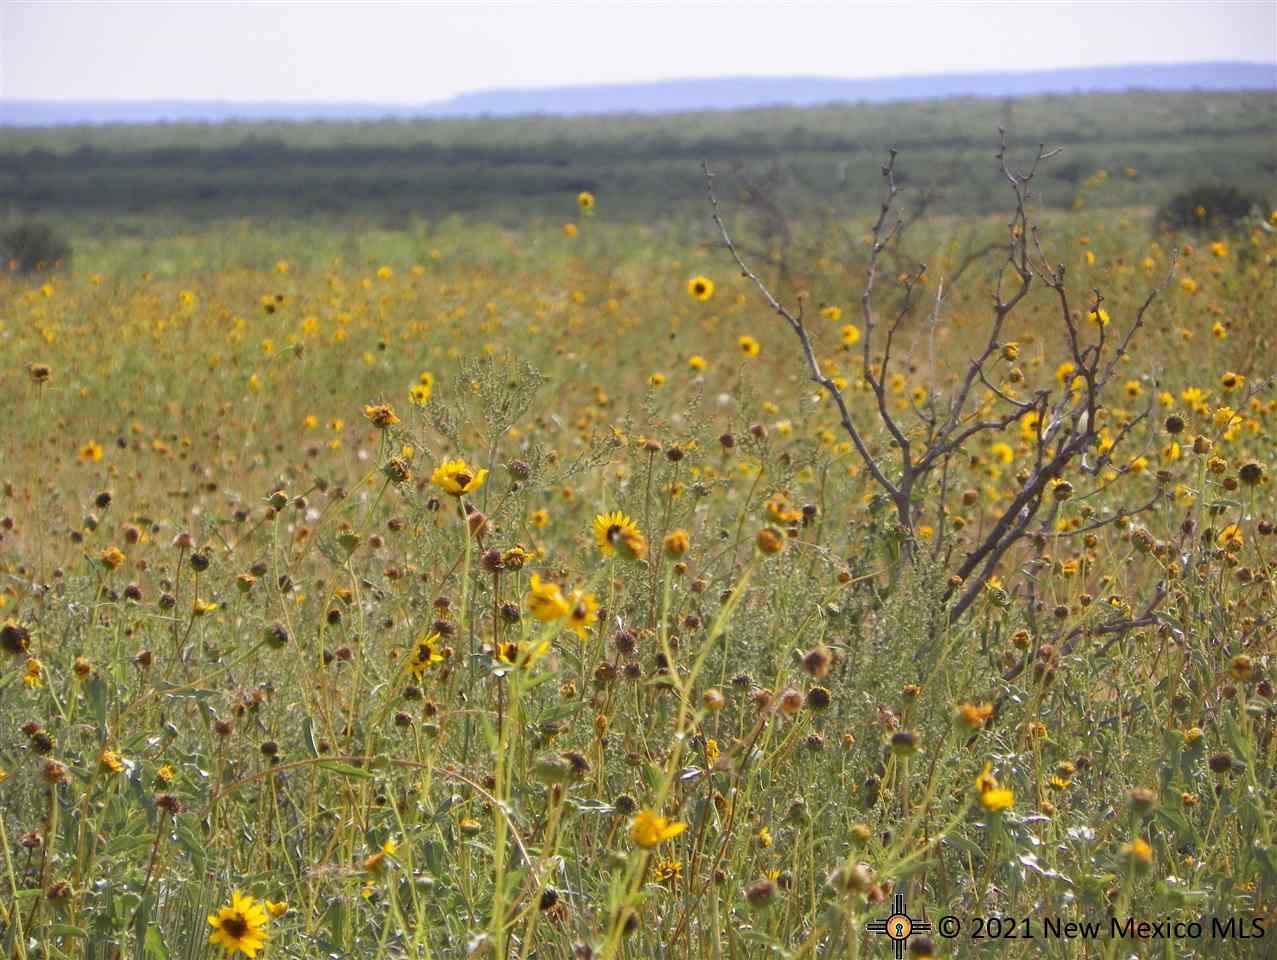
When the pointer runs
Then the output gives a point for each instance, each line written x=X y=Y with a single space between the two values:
x=904 y=743
x=791 y=701
x=770 y=541
x=818 y=698
x=1143 y=799
x=759 y=895
x=817 y=661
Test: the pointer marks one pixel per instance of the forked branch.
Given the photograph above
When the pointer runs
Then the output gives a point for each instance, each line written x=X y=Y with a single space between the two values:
x=1062 y=428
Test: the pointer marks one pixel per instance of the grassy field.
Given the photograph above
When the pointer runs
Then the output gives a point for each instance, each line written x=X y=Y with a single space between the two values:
x=680 y=660
x=813 y=160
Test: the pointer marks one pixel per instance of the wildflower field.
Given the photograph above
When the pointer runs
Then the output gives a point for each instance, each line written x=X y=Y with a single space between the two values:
x=602 y=588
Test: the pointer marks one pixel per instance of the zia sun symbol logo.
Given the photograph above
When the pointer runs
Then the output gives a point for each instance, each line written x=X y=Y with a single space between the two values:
x=899 y=926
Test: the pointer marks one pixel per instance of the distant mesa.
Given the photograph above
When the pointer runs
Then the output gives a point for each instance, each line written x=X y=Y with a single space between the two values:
x=667 y=96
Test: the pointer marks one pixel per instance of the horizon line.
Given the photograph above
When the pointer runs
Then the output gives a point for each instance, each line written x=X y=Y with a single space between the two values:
x=614 y=85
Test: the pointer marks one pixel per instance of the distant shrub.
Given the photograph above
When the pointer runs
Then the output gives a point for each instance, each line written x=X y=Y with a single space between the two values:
x=34 y=246
x=1206 y=205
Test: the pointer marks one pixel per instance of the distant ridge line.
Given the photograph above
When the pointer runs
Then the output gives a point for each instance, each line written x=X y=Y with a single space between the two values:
x=666 y=96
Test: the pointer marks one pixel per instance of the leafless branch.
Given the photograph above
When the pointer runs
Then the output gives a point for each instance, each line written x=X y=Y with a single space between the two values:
x=796 y=324
x=1063 y=428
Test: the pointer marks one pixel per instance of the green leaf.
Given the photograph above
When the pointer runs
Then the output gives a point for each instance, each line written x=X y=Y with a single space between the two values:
x=183 y=692
x=1030 y=862
x=653 y=775
x=1176 y=821
x=336 y=919
x=489 y=732
x=434 y=857
x=966 y=845
x=1267 y=857
x=308 y=735
x=189 y=842
x=65 y=930
x=142 y=924
x=95 y=692
x=153 y=947
x=909 y=869
x=124 y=844
x=561 y=712
x=345 y=769
x=1236 y=739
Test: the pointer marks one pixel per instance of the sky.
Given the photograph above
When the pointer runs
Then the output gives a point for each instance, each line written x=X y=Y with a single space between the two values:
x=421 y=52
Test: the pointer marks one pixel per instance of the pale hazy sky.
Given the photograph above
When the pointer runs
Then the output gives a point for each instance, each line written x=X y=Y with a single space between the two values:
x=416 y=52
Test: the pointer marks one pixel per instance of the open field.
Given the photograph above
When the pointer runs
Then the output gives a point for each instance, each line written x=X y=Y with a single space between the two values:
x=506 y=170
x=674 y=663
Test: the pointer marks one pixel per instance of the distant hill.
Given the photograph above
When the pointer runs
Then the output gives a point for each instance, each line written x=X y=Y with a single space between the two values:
x=669 y=96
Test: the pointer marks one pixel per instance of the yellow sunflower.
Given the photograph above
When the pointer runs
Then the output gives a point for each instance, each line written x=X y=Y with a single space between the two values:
x=546 y=600
x=457 y=477
x=993 y=797
x=702 y=288
x=33 y=677
x=668 y=872
x=612 y=530
x=1231 y=537
x=650 y=829
x=380 y=415
x=782 y=511
x=424 y=653
x=521 y=655
x=239 y=927
x=997 y=800
x=584 y=613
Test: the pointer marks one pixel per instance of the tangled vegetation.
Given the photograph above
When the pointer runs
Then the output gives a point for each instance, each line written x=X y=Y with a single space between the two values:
x=34 y=246
x=596 y=591
x=1208 y=206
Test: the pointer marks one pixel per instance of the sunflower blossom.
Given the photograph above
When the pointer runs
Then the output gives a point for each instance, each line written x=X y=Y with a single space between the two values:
x=584 y=613
x=424 y=653
x=380 y=415
x=546 y=600
x=702 y=288
x=612 y=530
x=993 y=797
x=650 y=829
x=239 y=927
x=457 y=477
